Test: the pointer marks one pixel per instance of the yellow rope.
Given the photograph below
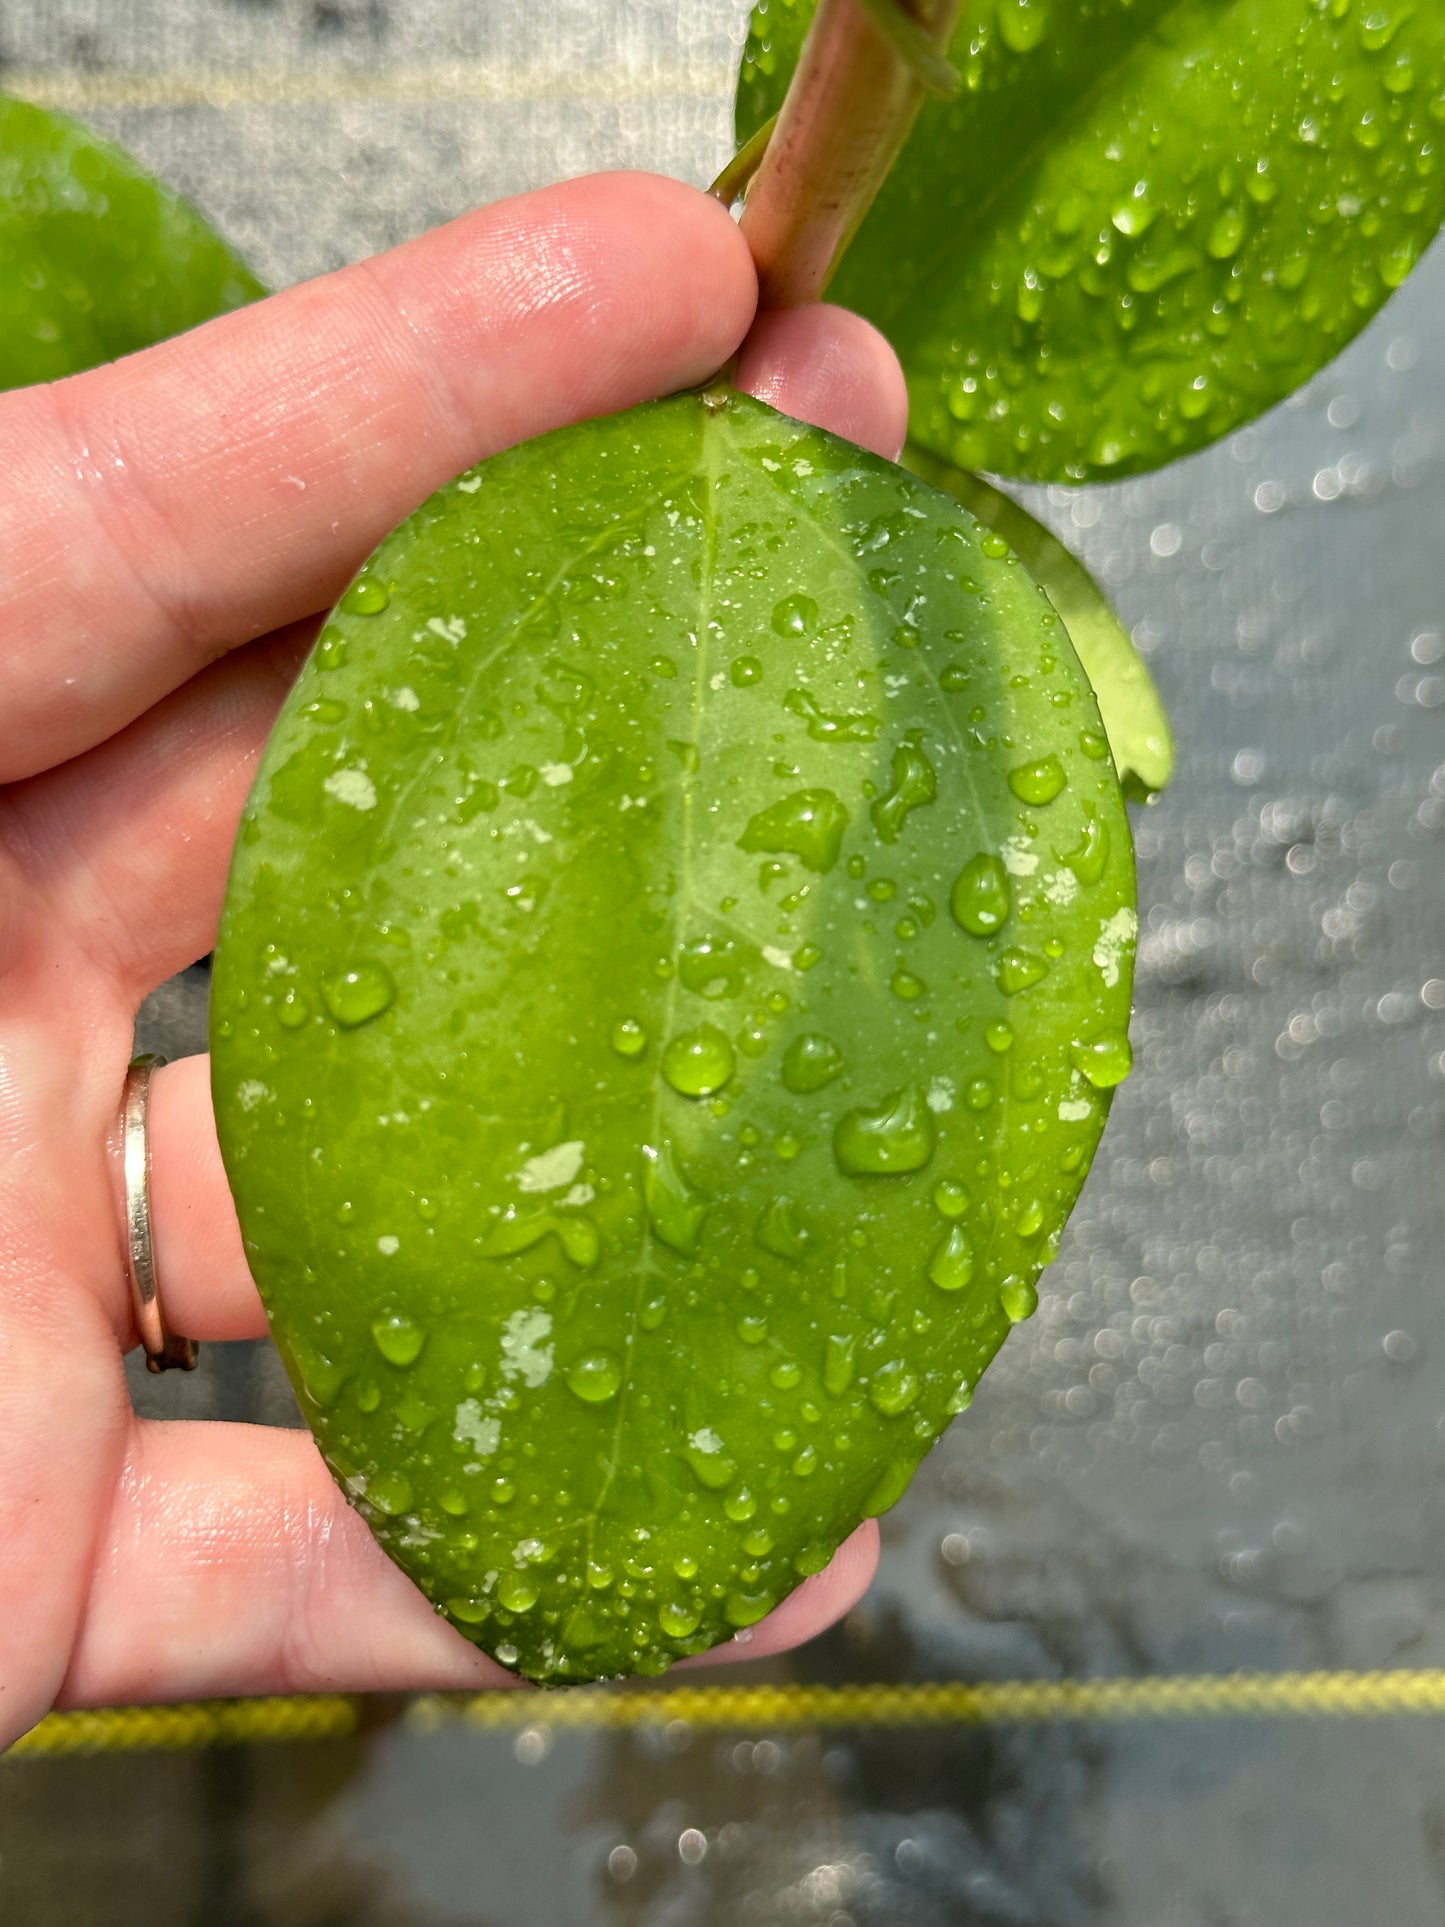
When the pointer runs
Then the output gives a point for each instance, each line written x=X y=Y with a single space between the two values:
x=767 y=1708
x=304 y=85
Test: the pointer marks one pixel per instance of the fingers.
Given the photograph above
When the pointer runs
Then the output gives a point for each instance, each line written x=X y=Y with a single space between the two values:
x=823 y=365
x=127 y=846
x=165 y=508
x=230 y=1563
x=200 y=1262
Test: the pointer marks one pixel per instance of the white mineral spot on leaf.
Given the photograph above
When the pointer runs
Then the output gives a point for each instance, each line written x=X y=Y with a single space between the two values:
x=1062 y=887
x=251 y=1093
x=554 y=775
x=352 y=786
x=405 y=698
x=1074 y=1110
x=1114 y=938
x=550 y=1170
x=388 y=1245
x=449 y=628
x=1018 y=859
x=580 y=1194
x=940 y=1094
x=705 y=1440
x=469 y=484
x=474 y=1428
x=779 y=959
x=524 y=1355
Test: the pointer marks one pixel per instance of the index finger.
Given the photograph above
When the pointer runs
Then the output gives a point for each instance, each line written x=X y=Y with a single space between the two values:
x=159 y=511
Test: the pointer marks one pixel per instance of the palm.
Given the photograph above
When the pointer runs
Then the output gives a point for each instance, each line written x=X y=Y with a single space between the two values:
x=154 y=518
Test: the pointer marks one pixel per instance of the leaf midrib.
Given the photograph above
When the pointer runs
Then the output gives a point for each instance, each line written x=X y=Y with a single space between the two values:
x=687 y=792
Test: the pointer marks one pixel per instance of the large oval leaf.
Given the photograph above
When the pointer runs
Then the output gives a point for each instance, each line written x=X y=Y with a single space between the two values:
x=675 y=961
x=97 y=259
x=1142 y=221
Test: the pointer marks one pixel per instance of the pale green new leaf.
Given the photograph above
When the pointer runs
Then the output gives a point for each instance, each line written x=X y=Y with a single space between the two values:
x=1133 y=712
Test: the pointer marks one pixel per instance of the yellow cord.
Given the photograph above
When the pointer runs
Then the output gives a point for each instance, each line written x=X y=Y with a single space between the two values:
x=752 y=1708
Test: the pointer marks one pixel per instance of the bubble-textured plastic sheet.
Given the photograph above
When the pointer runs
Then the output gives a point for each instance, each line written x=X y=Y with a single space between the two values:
x=1220 y=1442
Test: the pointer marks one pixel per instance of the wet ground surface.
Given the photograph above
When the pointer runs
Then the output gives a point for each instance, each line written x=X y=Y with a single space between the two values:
x=1221 y=1441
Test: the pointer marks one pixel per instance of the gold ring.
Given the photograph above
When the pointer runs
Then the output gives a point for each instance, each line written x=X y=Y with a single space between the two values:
x=164 y=1351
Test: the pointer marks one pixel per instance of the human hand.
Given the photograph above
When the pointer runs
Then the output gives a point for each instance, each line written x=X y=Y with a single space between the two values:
x=169 y=526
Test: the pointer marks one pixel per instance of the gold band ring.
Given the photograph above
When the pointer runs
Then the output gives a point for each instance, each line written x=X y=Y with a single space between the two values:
x=164 y=1351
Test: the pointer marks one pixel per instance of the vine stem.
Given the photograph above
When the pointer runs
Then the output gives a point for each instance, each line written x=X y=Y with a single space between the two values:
x=848 y=110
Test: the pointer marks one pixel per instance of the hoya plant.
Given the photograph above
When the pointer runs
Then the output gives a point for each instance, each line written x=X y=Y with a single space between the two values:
x=677 y=953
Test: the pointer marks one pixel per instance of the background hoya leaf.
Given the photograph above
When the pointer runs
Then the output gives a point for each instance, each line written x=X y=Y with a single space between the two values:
x=97 y=259
x=674 y=968
x=1141 y=222
x=1134 y=717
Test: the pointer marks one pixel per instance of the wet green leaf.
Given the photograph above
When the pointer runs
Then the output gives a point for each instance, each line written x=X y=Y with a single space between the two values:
x=1135 y=720
x=1142 y=221
x=97 y=259
x=645 y=1112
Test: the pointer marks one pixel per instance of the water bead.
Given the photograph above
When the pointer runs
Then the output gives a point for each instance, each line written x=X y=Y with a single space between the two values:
x=399 y=1339
x=795 y=615
x=595 y=1377
x=890 y=1138
x=782 y=1231
x=982 y=895
x=951 y=1266
x=809 y=824
x=950 y=1197
x=679 y=1621
x=838 y=1363
x=359 y=994
x=1089 y=856
x=1017 y=970
x=629 y=1039
x=517 y=1591
x=903 y=983
x=1105 y=1061
x=1038 y=782
x=698 y=1062
x=914 y=784
x=810 y=1062
x=366 y=597
x=1019 y=1299
x=893 y=1388
x=676 y=1209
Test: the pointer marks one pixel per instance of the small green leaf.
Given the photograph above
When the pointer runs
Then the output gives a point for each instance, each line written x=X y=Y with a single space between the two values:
x=1135 y=720
x=709 y=1135
x=97 y=259
x=1142 y=222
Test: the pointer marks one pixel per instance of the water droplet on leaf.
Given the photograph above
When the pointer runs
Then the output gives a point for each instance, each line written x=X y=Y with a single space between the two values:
x=895 y=1136
x=359 y=994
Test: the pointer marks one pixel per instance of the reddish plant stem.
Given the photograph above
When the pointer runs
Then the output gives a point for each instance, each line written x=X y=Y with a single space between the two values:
x=848 y=110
